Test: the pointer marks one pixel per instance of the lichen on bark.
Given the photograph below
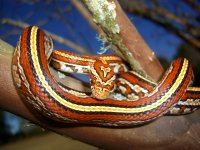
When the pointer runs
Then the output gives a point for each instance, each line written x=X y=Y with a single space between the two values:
x=104 y=14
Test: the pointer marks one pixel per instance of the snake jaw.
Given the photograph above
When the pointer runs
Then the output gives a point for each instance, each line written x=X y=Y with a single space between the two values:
x=100 y=93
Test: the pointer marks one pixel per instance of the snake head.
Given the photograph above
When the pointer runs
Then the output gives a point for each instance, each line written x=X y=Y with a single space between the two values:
x=102 y=78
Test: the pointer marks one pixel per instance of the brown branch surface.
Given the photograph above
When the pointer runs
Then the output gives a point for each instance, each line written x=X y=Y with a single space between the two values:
x=165 y=133
x=137 y=46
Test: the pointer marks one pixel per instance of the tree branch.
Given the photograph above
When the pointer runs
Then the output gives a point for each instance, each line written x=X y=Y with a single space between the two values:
x=193 y=5
x=166 y=132
x=86 y=14
x=186 y=30
x=121 y=33
x=55 y=37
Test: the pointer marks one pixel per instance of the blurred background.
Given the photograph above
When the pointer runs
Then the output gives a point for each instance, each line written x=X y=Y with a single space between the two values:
x=170 y=27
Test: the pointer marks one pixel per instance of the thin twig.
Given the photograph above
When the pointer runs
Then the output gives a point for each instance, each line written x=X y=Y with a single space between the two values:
x=55 y=37
x=193 y=5
x=186 y=30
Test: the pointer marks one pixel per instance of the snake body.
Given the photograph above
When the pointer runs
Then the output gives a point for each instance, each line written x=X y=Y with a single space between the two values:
x=34 y=82
x=135 y=86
